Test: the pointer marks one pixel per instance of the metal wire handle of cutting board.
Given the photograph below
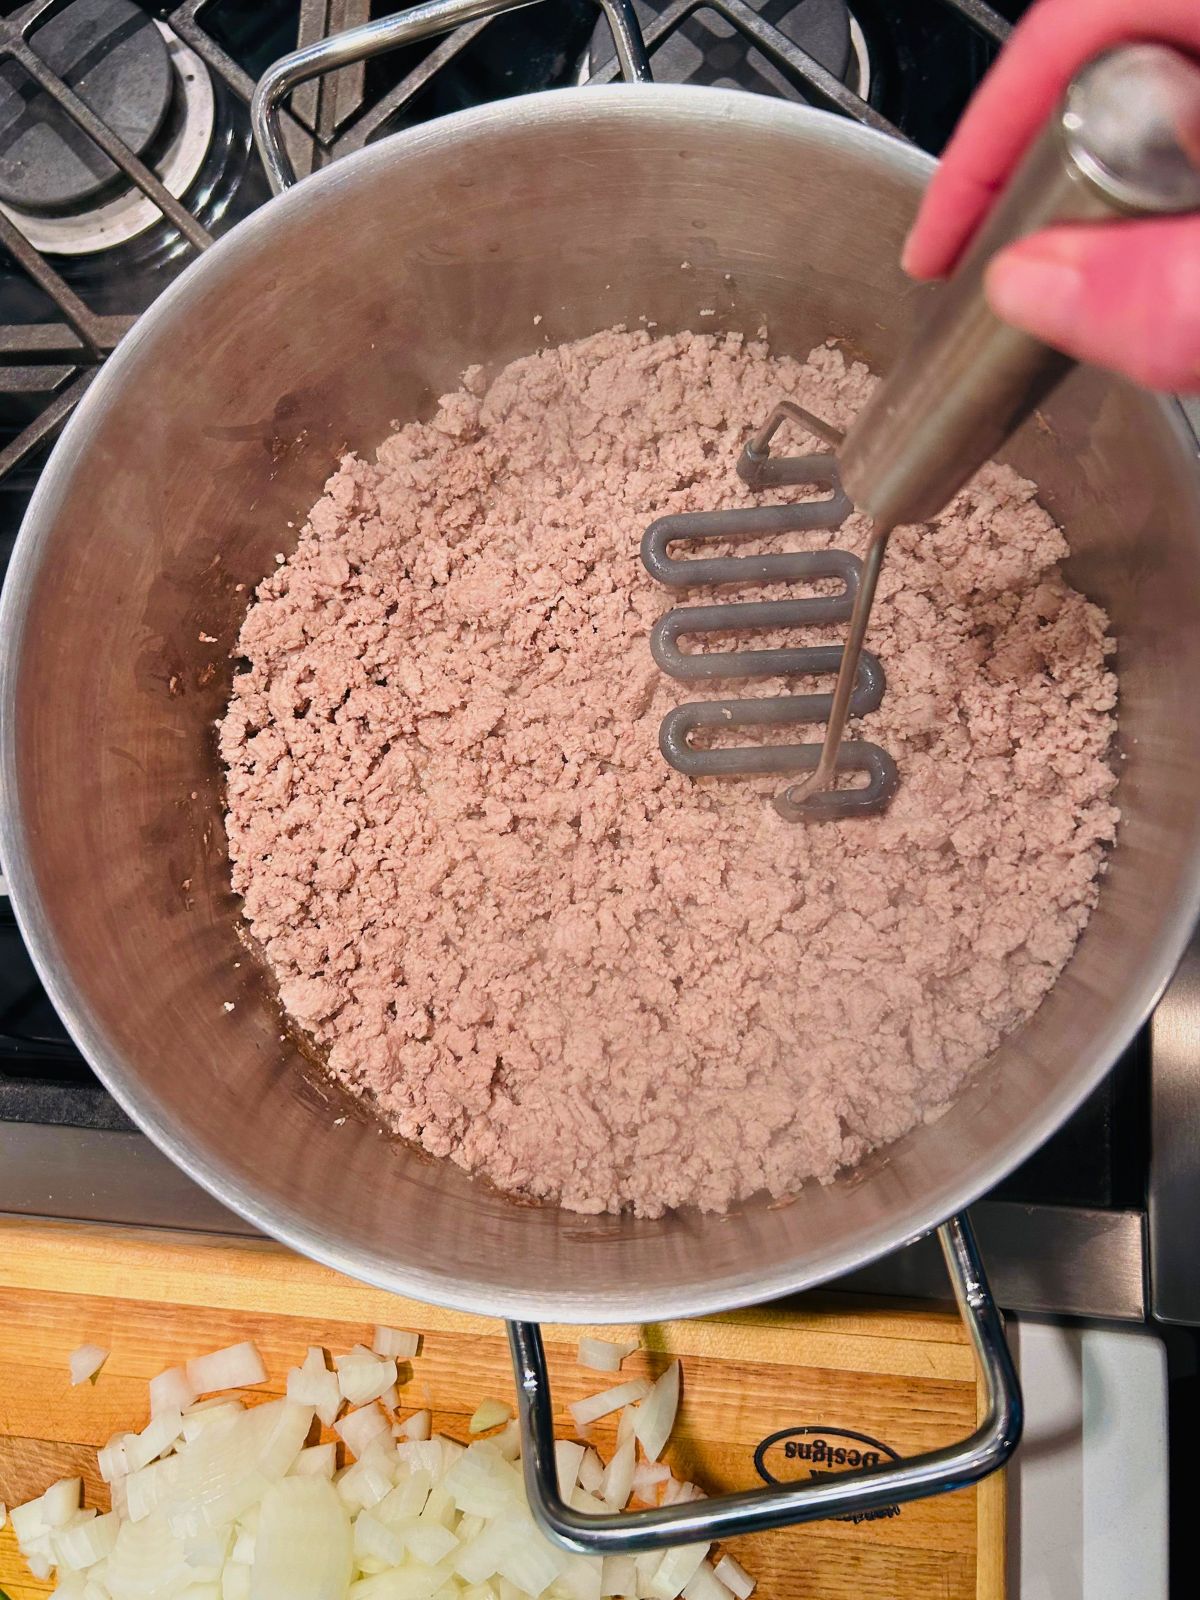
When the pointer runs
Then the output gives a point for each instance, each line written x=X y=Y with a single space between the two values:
x=895 y=482
x=1125 y=143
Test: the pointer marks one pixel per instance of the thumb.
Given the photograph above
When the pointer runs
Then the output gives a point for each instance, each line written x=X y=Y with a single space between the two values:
x=1125 y=295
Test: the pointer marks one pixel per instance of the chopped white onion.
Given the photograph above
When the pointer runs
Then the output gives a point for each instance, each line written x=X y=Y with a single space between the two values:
x=735 y=1577
x=81 y=1545
x=619 y=1577
x=508 y=1440
x=602 y=1355
x=111 y=1458
x=238 y=1366
x=393 y=1342
x=676 y=1569
x=617 y=1483
x=214 y=1500
x=85 y=1362
x=158 y=1435
x=599 y=1405
x=591 y=1471
x=647 y=1476
x=419 y=1426
x=656 y=1414
x=304 y=1545
x=312 y=1384
x=319 y=1461
x=568 y=1456
x=358 y=1428
x=171 y=1391
x=60 y=1502
x=705 y=1585
x=489 y=1414
x=3 y=1513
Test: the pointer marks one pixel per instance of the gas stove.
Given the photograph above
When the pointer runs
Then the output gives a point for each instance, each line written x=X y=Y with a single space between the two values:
x=125 y=151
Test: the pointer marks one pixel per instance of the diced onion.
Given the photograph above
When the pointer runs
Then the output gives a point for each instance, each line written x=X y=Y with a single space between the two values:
x=393 y=1342
x=568 y=1456
x=602 y=1355
x=419 y=1426
x=735 y=1577
x=676 y=1569
x=489 y=1414
x=705 y=1585
x=158 y=1435
x=646 y=1478
x=591 y=1471
x=3 y=1513
x=319 y=1461
x=363 y=1377
x=619 y=1577
x=617 y=1483
x=656 y=1414
x=238 y=1366
x=81 y=1545
x=599 y=1405
x=85 y=1362
x=304 y=1545
x=217 y=1500
x=358 y=1428
x=171 y=1391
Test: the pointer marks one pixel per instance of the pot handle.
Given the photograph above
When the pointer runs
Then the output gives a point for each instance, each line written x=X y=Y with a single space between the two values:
x=776 y=1506
x=391 y=33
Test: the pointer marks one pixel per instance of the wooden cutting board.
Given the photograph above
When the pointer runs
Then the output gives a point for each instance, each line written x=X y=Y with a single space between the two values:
x=902 y=1376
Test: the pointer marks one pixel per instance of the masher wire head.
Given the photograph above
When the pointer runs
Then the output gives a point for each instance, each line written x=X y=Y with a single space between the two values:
x=860 y=680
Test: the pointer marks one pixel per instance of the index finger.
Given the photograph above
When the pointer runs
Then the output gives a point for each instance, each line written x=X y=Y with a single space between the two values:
x=1014 y=101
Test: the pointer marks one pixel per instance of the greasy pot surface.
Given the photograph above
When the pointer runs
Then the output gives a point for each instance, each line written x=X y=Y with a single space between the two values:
x=353 y=301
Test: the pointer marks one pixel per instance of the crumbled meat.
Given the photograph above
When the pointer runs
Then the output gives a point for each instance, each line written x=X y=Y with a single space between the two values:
x=539 y=950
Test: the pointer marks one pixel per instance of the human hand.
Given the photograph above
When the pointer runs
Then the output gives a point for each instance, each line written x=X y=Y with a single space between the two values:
x=1124 y=295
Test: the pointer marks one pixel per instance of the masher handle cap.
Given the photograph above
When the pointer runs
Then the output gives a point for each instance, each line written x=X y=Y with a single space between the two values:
x=1124 y=142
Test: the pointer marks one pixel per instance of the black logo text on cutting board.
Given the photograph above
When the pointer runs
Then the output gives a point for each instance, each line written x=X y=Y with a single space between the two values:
x=793 y=1454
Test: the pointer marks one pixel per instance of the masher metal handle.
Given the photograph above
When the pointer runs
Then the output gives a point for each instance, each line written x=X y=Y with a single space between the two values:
x=1125 y=142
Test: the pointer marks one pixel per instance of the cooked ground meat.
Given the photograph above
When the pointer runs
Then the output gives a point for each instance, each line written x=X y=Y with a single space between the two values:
x=543 y=953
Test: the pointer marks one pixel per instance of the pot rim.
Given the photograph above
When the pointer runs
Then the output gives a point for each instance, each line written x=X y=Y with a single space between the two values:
x=204 y=1166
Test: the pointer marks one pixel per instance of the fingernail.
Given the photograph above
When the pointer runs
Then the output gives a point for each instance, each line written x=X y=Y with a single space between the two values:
x=1037 y=293
x=908 y=261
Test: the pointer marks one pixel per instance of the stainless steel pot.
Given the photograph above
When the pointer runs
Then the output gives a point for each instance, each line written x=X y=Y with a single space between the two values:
x=354 y=300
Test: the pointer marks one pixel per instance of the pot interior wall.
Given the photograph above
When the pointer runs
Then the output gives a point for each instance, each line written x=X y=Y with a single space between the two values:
x=355 y=301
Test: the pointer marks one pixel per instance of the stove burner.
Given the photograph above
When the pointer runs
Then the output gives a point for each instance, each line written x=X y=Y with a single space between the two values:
x=114 y=58
x=180 y=149
x=708 y=49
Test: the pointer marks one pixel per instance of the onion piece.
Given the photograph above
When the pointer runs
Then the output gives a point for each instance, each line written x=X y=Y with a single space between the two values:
x=394 y=1342
x=304 y=1546
x=489 y=1414
x=363 y=1377
x=568 y=1457
x=508 y=1440
x=705 y=1585
x=3 y=1513
x=358 y=1428
x=81 y=1545
x=619 y=1577
x=85 y=1362
x=617 y=1483
x=317 y=1461
x=602 y=1355
x=171 y=1391
x=237 y=1366
x=735 y=1577
x=112 y=1459
x=60 y=1502
x=600 y=1405
x=209 y=1414
x=312 y=1384
x=157 y=1436
x=656 y=1414
x=419 y=1426
x=626 y=1424
x=647 y=1476
x=676 y=1570
x=591 y=1471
